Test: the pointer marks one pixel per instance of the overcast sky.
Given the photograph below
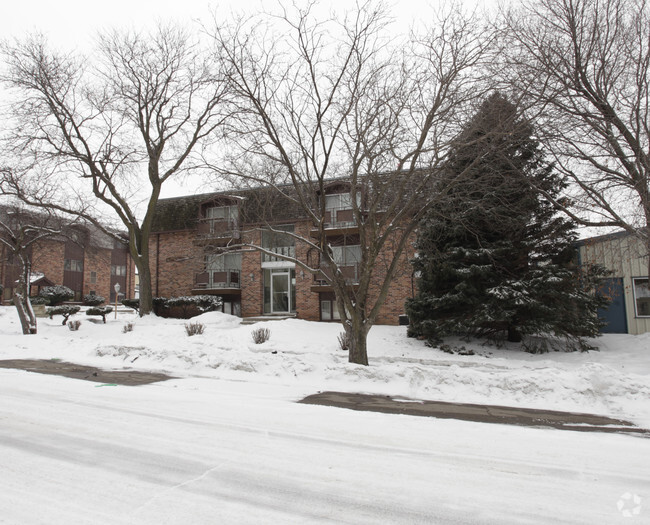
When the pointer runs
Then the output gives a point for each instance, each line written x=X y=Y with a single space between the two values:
x=74 y=23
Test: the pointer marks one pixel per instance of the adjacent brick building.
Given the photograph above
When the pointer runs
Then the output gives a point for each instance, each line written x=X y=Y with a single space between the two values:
x=83 y=258
x=196 y=248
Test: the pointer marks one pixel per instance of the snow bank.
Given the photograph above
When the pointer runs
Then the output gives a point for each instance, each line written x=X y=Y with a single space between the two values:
x=613 y=381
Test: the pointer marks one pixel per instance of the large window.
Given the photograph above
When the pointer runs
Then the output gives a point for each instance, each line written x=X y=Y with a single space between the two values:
x=223 y=262
x=222 y=218
x=279 y=243
x=338 y=210
x=118 y=269
x=347 y=255
x=73 y=265
x=641 y=297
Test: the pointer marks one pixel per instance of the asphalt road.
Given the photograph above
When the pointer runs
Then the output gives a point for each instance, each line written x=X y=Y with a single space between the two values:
x=205 y=451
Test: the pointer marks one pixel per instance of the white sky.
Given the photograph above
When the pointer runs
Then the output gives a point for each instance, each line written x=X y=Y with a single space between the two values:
x=74 y=23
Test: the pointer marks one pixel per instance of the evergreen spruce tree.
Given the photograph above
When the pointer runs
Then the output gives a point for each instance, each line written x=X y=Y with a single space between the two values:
x=496 y=260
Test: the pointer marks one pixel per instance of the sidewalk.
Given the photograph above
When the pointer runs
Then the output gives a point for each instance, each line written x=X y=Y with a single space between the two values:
x=529 y=417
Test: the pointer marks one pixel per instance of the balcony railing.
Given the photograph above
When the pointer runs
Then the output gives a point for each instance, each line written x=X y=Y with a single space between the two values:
x=339 y=218
x=287 y=251
x=219 y=228
x=214 y=279
x=349 y=271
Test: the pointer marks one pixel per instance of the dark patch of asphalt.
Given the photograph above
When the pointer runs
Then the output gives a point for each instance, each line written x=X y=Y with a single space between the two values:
x=88 y=373
x=529 y=417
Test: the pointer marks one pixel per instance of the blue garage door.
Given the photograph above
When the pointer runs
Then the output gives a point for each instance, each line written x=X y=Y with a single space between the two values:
x=614 y=315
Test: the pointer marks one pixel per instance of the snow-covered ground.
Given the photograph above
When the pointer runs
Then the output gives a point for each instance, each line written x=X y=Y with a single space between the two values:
x=225 y=443
x=613 y=381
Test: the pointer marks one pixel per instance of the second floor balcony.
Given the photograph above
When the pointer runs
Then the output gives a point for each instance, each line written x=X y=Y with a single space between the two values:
x=339 y=217
x=217 y=281
x=350 y=273
x=219 y=228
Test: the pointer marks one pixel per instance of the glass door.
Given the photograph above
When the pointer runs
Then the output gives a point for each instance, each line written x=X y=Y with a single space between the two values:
x=280 y=292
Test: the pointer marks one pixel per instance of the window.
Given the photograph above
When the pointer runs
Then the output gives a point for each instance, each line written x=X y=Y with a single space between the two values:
x=338 y=209
x=222 y=218
x=118 y=269
x=222 y=262
x=93 y=278
x=347 y=255
x=641 y=296
x=73 y=265
x=278 y=243
x=340 y=201
x=329 y=311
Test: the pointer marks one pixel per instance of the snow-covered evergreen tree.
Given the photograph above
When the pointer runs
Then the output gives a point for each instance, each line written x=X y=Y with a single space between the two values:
x=496 y=260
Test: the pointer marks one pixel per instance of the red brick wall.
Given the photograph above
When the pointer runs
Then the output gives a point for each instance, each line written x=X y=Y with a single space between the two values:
x=174 y=267
x=307 y=302
x=180 y=258
x=99 y=261
x=47 y=258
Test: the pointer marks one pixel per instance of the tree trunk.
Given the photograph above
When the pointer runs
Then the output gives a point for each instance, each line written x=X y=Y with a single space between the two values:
x=514 y=335
x=357 y=332
x=146 y=294
x=25 y=314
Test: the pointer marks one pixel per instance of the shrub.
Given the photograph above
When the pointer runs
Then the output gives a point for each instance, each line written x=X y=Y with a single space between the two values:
x=186 y=307
x=65 y=311
x=194 y=328
x=132 y=303
x=261 y=335
x=93 y=300
x=74 y=325
x=344 y=341
x=128 y=327
x=55 y=295
x=38 y=300
x=102 y=311
x=2 y=289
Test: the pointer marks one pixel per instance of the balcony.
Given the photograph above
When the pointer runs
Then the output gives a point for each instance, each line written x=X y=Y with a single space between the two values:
x=218 y=229
x=217 y=282
x=349 y=271
x=338 y=220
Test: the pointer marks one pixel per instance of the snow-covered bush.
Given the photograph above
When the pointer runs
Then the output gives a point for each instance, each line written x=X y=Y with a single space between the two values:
x=102 y=311
x=56 y=294
x=65 y=311
x=38 y=300
x=132 y=303
x=344 y=341
x=261 y=335
x=74 y=325
x=93 y=300
x=194 y=328
x=128 y=327
x=186 y=307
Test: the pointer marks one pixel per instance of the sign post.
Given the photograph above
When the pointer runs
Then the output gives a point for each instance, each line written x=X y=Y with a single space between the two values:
x=117 y=293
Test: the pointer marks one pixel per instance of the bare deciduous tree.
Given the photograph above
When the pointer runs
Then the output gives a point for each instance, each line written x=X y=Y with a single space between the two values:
x=88 y=130
x=581 y=68
x=337 y=98
x=20 y=229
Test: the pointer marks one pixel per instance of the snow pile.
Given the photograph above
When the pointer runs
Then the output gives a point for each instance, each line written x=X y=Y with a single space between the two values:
x=614 y=381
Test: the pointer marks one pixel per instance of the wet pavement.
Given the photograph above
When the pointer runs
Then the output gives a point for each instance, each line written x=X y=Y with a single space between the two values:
x=529 y=417
x=88 y=373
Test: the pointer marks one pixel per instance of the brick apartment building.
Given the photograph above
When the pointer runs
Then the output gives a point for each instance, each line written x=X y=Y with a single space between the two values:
x=83 y=258
x=196 y=249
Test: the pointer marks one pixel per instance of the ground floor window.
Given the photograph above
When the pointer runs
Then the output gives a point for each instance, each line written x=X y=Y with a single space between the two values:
x=279 y=290
x=232 y=308
x=641 y=296
x=328 y=309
